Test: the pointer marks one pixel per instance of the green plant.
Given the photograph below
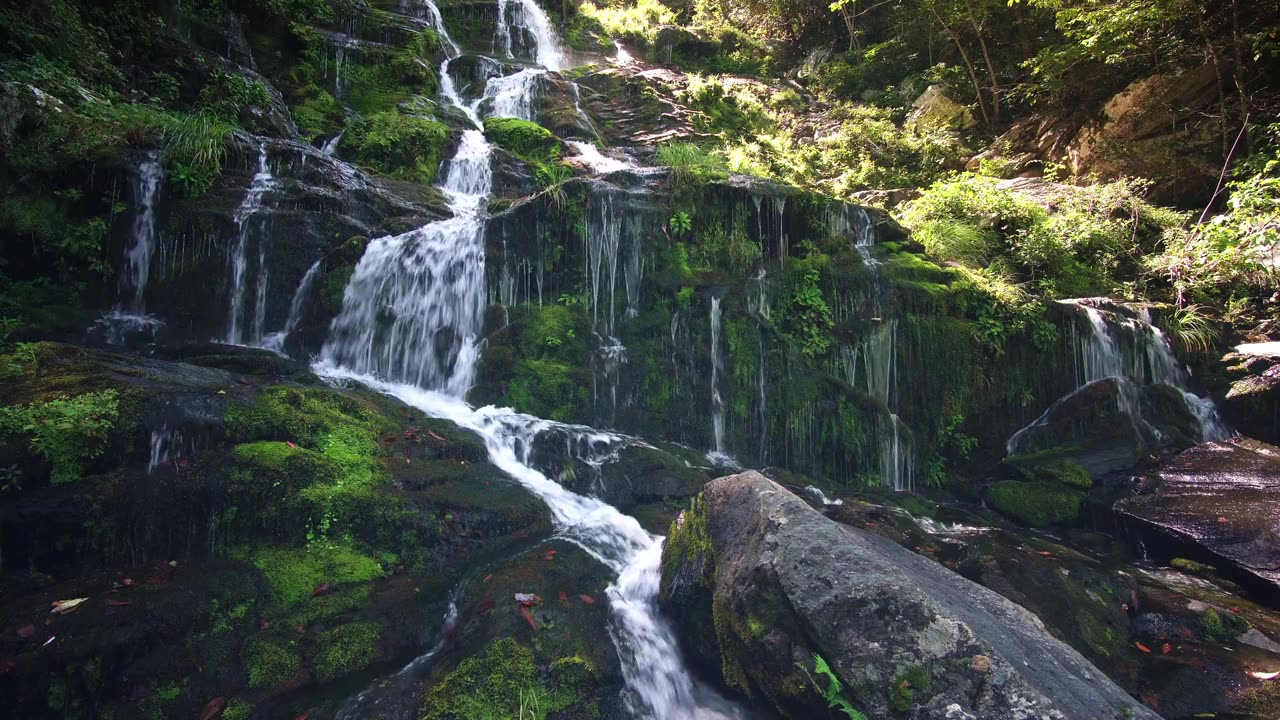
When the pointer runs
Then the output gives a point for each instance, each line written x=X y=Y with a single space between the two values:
x=1194 y=330
x=66 y=431
x=681 y=223
x=833 y=693
x=1223 y=626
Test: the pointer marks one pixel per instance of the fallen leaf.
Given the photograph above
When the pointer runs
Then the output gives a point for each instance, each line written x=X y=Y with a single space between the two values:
x=1166 y=648
x=1236 y=610
x=322 y=588
x=222 y=392
x=550 y=555
x=286 y=442
x=1265 y=675
x=302 y=630
x=432 y=434
x=563 y=598
x=127 y=582
x=1046 y=553
x=524 y=612
x=1221 y=519
x=62 y=607
x=213 y=707
x=303 y=716
x=27 y=631
x=1142 y=647
x=119 y=603
x=264 y=625
x=487 y=578
x=588 y=599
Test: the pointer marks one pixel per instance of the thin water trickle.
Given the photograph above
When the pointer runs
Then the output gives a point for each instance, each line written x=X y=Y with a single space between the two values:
x=275 y=341
x=262 y=181
x=138 y=256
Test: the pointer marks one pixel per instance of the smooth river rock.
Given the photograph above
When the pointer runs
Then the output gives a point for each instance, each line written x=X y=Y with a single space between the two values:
x=907 y=637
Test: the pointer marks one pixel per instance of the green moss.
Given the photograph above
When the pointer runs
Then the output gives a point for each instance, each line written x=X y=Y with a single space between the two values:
x=1192 y=567
x=306 y=416
x=1263 y=701
x=689 y=542
x=401 y=146
x=346 y=648
x=485 y=687
x=527 y=140
x=1035 y=503
x=902 y=694
x=237 y=709
x=294 y=574
x=316 y=112
x=269 y=663
x=329 y=605
x=1062 y=470
x=1222 y=627
x=275 y=463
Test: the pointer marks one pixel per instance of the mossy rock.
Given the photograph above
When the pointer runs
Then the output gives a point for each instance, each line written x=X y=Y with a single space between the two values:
x=402 y=146
x=345 y=649
x=294 y=574
x=489 y=685
x=306 y=416
x=270 y=663
x=1038 y=503
x=525 y=139
x=1049 y=467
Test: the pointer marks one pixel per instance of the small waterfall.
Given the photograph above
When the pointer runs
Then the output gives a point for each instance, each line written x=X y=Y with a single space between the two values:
x=249 y=206
x=718 y=453
x=1113 y=345
x=877 y=359
x=275 y=341
x=330 y=147
x=604 y=235
x=166 y=446
x=853 y=222
x=513 y=95
x=138 y=256
x=607 y=362
x=527 y=19
x=590 y=155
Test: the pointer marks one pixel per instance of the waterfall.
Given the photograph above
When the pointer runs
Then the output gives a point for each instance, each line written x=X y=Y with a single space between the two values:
x=1112 y=345
x=330 y=146
x=513 y=94
x=877 y=359
x=599 y=163
x=718 y=453
x=249 y=206
x=526 y=17
x=853 y=222
x=166 y=445
x=604 y=235
x=138 y=256
x=411 y=316
x=275 y=341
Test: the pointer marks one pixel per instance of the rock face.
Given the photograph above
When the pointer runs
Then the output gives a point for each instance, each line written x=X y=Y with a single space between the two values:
x=1218 y=502
x=1253 y=402
x=935 y=108
x=766 y=583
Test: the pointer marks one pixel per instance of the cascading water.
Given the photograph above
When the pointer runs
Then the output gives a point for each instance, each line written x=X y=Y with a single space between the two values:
x=262 y=182
x=138 y=256
x=877 y=358
x=275 y=341
x=411 y=315
x=718 y=454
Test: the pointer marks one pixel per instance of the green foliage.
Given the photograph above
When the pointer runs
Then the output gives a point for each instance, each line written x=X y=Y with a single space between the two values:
x=226 y=95
x=1192 y=328
x=344 y=649
x=237 y=709
x=269 y=663
x=307 y=416
x=1083 y=247
x=1222 y=626
x=634 y=22
x=902 y=693
x=1038 y=504
x=527 y=140
x=690 y=163
x=402 y=146
x=833 y=693
x=680 y=223
x=806 y=316
x=294 y=574
x=724 y=110
x=66 y=431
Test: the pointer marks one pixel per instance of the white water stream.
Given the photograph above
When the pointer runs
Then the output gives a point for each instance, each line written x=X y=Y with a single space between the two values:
x=262 y=181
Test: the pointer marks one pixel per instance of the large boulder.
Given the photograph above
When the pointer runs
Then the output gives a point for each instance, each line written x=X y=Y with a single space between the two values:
x=1217 y=503
x=778 y=600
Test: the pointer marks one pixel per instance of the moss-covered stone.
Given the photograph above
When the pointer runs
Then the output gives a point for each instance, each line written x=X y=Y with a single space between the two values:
x=345 y=649
x=525 y=139
x=1222 y=626
x=1038 y=504
x=294 y=574
x=269 y=663
x=906 y=685
x=237 y=709
x=489 y=685
x=402 y=146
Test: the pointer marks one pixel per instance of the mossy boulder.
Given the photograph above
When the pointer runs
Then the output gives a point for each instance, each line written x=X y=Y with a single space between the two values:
x=527 y=140
x=403 y=146
x=1037 y=503
x=345 y=649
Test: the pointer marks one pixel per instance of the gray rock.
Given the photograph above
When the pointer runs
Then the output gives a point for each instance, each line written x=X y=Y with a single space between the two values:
x=907 y=637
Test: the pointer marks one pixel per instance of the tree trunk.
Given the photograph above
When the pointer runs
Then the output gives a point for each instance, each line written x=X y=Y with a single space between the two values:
x=968 y=64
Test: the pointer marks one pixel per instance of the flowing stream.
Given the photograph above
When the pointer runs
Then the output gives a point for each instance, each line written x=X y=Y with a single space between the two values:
x=262 y=181
x=409 y=327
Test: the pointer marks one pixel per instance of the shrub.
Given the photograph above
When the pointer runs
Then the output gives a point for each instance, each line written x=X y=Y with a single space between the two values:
x=65 y=431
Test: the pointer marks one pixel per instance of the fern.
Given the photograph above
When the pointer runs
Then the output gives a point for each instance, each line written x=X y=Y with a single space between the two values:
x=834 y=692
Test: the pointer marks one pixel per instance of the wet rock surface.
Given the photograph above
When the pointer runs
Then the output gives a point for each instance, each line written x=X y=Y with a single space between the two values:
x=1253 y=400
x=1219 y=502
x=897 y=628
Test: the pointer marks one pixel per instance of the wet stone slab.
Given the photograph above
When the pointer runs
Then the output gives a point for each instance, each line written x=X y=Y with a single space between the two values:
x=1220 y=500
